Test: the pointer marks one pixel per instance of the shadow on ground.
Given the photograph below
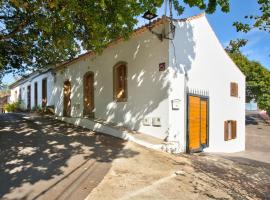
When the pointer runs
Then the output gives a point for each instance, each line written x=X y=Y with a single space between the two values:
x=34 y=150
x=242 y=178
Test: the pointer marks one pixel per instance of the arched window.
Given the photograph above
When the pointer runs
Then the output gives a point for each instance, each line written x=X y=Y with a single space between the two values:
x=120 y=82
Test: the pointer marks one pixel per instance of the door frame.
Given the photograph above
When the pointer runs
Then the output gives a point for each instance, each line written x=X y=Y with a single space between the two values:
x=204 y=97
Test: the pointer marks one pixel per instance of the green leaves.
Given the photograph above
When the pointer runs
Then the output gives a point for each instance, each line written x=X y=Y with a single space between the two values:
x=235 y=45
x=261 y=21
x=257 y=80
x=37 y=33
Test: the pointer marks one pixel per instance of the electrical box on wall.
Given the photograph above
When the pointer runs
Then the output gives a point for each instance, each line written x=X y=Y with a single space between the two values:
x=176 y=104
x=156 y=121
x=147 y=121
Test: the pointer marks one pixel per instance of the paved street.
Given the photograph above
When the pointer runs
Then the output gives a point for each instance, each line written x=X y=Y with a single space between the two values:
x=151 y=175
x=41 y=158
x=257 y=139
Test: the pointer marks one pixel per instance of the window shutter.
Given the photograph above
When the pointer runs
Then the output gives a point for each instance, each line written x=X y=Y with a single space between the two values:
x=234 y=89
x=234 y=129
x=120 y=82
x=226 y=133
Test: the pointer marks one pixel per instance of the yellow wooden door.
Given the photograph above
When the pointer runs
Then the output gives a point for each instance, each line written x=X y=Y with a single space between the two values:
x=194 y=123
x=204 y=121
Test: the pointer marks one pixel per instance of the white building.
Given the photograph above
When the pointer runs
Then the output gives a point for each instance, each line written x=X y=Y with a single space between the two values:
x=33 y=90
x=185 y=90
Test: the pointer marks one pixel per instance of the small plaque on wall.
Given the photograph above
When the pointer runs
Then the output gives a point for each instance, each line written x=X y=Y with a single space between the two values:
x=162 y=67
x=176 y=104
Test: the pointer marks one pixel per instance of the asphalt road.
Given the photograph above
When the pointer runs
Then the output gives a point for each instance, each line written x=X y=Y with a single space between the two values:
x=42 y=158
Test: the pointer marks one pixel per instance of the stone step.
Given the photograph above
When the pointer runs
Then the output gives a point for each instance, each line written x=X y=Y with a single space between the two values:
x=116 y=131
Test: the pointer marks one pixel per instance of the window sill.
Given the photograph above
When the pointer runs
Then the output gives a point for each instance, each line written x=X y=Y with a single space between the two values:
x=121 y=100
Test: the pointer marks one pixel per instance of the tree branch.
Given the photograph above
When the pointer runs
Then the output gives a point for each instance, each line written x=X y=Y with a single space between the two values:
x=19 y=28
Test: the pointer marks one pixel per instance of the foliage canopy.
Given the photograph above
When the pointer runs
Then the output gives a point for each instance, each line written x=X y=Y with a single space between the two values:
x=257 y=78
x=260 y=21
x=37 y=33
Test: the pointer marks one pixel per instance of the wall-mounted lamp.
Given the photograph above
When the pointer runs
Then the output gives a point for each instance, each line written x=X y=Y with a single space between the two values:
x=149 y=16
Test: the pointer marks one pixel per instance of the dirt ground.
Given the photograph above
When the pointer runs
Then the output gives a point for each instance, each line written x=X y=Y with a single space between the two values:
x=155 y=175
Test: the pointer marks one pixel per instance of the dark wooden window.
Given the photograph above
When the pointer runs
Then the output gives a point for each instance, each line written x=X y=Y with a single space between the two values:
x=44 y=92
x=120 y=82
x=36 y=94
x=234 y=89
x=230 y=130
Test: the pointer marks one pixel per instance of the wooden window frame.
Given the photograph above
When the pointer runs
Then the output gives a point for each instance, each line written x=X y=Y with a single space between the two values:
x=230 y=130
x=234 y=89
x=115 y=79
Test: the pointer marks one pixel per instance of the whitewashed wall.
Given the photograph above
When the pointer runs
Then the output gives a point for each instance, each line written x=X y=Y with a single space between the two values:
x=147 y=87
x=31 y=81
x=197 y=51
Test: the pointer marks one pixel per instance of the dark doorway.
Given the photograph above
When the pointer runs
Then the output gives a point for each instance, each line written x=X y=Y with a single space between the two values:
x=29 y=97
x=44 y=92
x=36 y=94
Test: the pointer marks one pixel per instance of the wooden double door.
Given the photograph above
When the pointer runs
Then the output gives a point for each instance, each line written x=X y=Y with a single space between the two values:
x=197 y=135
x=67 y=99
x=88 y=84
x=88 y=96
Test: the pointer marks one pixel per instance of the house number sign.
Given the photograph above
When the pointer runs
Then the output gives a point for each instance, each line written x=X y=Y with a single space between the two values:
x=162 y=67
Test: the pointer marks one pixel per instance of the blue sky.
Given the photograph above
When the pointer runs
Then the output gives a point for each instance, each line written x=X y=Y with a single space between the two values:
x=258 y=47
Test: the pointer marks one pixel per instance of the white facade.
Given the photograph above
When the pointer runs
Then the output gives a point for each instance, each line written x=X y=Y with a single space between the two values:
x=194 y=59
x=21 y=86
x=147 y=87
x=196 y=52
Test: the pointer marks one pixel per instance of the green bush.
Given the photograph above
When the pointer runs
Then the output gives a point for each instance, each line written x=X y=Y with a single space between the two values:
x=37 y=109
x=12 y=107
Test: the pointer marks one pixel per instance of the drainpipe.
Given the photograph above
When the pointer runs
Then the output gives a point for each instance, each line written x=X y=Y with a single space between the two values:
x=185 y=109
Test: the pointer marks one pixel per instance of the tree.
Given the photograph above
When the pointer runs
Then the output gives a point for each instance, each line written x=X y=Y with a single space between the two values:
x=38 y=33
x=260 y=21
x=257 y=78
